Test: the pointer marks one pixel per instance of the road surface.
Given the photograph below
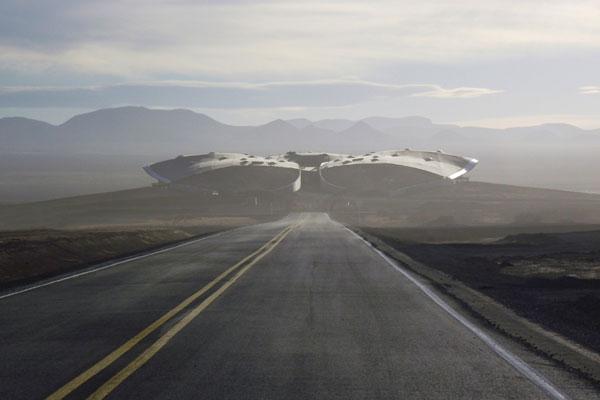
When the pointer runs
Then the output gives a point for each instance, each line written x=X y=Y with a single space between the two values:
x=299 y=308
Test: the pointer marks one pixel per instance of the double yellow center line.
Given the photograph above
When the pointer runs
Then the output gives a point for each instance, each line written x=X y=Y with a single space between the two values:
x=104 y=390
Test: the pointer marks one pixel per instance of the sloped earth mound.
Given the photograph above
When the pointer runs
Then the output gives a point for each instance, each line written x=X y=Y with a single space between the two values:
x=29 y=256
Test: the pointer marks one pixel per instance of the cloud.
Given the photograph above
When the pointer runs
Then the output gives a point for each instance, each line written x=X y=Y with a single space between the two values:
x=318 y=93
x=281 y=39
x=589 y=90
x=456 y=93
x=580 y=120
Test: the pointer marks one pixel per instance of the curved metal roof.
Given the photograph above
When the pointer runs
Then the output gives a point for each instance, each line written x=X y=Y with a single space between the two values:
x=416 y=166
x=435 y=162
x=185 y=166
x=425 y=164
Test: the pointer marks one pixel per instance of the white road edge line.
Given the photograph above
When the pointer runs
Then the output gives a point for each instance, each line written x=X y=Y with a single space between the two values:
x=114 y=264
x=515 y=361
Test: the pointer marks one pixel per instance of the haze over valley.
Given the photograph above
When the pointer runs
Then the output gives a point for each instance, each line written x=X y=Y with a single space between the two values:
x=104 y=150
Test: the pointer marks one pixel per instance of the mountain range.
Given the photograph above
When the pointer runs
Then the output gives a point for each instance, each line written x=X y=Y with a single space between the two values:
x=139 y=130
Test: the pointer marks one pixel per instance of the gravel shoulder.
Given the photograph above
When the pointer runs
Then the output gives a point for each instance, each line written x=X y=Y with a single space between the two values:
x=540 y=289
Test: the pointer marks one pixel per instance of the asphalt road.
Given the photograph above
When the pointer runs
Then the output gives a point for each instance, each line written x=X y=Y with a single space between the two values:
x=298 y=308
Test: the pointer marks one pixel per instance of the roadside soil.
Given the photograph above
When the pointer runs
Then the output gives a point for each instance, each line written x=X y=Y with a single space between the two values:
x=32 y=255
x=551 y=280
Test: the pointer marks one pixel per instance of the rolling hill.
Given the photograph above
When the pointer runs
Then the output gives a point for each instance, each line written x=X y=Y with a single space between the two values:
x=139 y=130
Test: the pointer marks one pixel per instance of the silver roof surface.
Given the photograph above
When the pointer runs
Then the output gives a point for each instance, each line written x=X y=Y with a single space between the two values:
x=426 y=164
x=185 y=166
x=437 y=163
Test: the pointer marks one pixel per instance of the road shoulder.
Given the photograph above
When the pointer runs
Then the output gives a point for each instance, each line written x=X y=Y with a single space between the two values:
x=584 y=363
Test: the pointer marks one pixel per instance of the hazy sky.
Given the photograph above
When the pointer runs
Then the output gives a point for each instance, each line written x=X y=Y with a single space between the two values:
x=485 y=62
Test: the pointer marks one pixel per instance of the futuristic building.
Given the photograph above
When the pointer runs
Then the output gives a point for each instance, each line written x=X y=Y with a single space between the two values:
x=392 y=170
x=228 y=173
x=310 y=164
x=384 y=171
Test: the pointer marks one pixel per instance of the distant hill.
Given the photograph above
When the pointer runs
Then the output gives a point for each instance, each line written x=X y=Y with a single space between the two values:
x=364 y=137
x=384 y=123
x=299 y=123
x=139 y=130
x=26 y=135
x=125 y=130
x=336 y=125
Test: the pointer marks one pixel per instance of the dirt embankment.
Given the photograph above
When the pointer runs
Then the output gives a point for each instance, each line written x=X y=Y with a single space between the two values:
x=28 y=256
x=467 y=203
x=144 y=207
x=549 y=280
